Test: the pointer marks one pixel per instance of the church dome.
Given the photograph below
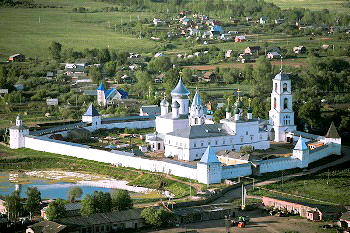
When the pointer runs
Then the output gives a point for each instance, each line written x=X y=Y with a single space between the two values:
x=250 y=110
x=164 y=103
x=281 y=76
x=236 y=111
x=239 y=104
x=228 y=109
x=175 y=105
x=180 y=89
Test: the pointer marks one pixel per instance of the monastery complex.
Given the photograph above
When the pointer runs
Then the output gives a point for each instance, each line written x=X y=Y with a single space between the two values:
x=193 y=145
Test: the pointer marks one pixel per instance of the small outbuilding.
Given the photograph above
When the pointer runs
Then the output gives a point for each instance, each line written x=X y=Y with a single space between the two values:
x=17 y=58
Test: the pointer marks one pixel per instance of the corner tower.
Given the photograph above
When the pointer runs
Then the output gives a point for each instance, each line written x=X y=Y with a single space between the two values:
x=281 y=115
x=92 y=116
x=180 y=94
x=18 y=133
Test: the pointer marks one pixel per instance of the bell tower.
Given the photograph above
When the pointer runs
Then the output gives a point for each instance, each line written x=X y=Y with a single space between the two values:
x=281 y=115
x=197 y=116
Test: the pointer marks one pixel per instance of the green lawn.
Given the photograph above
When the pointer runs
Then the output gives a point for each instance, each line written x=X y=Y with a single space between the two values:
x=30 y=31
x=317 y=186
x=335 y=5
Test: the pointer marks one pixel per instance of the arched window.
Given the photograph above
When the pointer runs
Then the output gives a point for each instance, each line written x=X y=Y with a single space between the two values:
x=275 y=87
x=284 y=87
x=285 y=103
x=274 y=102
x=196 y=121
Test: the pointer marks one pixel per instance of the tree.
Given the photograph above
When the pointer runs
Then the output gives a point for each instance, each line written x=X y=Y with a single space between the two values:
x=95 y=74
x=159 y=64
x=74 y=193
x=55 y=49
x=33 y=201
x=56 y=210
x=247 y=150
x=219 y=114
x=157 y=217
x=310 y=113
x=87 y=206
x=121 y=200
x=13 y=206
x=102 y=201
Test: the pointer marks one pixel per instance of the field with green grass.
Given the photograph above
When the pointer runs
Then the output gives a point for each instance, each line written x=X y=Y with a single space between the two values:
x=31 y=30
x=330 y=186
x=335 y=5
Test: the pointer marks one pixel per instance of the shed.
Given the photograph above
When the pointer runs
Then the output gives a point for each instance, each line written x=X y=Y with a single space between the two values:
x=17 y=58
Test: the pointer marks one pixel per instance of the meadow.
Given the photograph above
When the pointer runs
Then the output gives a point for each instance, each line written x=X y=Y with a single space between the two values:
x=326 y=186
x=31 y=30
x=335 y=5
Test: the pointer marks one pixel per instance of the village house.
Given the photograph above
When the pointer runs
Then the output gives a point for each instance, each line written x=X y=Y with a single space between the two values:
x=240 y=39
x=252 y=50
x=344 y=221
x=72 y=209
x=157 y=22
x=279 y=21
x=273 y=55
x=52 y=227
x=216 y=31
x=209 y=77
x=17 y=58
x=226 y=37
x=299 y=49
x=263 y=20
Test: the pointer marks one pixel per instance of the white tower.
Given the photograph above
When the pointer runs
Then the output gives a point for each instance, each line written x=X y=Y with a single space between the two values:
x=209 y=168
x=197 y=116
x=281 y=115
x=164 y=107
x=301 y=152
x=17 y=134
x=92 y=116
x=180 y=94
x=101 y=98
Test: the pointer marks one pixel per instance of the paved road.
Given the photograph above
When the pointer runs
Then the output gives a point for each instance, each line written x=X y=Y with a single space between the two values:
x=236 y=193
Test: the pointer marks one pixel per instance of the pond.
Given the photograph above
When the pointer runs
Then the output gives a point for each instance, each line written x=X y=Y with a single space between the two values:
x=57 y=187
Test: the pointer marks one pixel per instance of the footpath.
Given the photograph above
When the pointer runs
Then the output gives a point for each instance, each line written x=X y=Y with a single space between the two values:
x=236 y=193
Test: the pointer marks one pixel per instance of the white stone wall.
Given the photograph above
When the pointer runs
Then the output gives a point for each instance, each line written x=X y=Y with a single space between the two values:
x=234 y=171
x=122 y=125
x=278 y=164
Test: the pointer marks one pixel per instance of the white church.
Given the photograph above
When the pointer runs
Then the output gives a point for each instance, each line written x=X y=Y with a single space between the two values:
x=185 y=134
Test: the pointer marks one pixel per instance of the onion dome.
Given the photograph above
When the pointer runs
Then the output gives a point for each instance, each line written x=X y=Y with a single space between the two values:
x=239 y=103
x=164 y=103
x=281 y=76
x=250 y=110
x=228 y=109
x=175 y=105
x=236 y=111
x=180 y=89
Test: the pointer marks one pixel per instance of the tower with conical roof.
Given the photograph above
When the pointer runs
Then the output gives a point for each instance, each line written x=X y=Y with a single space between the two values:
x=101 y=98
x=180 y=94
x=197 y=115
x=92 y=116
x=209 y=168
x=333 y=139
x=301 y=152
x=281 y=115
x=18 y=133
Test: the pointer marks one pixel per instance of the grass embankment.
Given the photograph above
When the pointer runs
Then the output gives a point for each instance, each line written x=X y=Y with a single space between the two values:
x=27 y=159
x=327 y=186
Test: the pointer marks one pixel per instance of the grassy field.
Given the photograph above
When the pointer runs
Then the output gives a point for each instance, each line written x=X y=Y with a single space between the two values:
x=316 y=186
x=30 y=31
x=335 y=5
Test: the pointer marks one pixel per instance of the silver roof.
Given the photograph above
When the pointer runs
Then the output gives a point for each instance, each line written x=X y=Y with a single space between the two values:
x=180 y=89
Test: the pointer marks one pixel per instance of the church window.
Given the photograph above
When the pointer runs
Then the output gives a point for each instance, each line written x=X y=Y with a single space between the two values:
x=285 y=103
x=223 y=142
x=251 y=138
x=196 y=121
x=194 y=145
x=275 y=87
x=180 y=144
x=208 y=143
x=169 y=142
x=274 y=102
x=260 y=137
x=176 y=143
x=242 y=139
x=231 y=141
x=246 y=132
x=216 y=142
x=202 y=144
x=196 y=155
x=284 y=87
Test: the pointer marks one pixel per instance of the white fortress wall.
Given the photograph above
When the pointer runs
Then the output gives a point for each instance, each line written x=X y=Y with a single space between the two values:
x=130 y=124
x=278 y=164
x=235 y=171
x=118 y=158
x=323 y=151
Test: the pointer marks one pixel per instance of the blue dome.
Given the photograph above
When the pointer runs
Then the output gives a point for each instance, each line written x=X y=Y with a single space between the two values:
x=180 y=89
x=164 y=102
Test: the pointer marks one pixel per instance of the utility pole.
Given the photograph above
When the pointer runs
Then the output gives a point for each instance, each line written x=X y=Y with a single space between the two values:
x=244 y=193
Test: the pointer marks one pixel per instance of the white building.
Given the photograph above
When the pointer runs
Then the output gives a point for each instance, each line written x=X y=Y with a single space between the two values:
x=186 y=136
x=281 y=115
x=18 y=133
x=107 y=97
